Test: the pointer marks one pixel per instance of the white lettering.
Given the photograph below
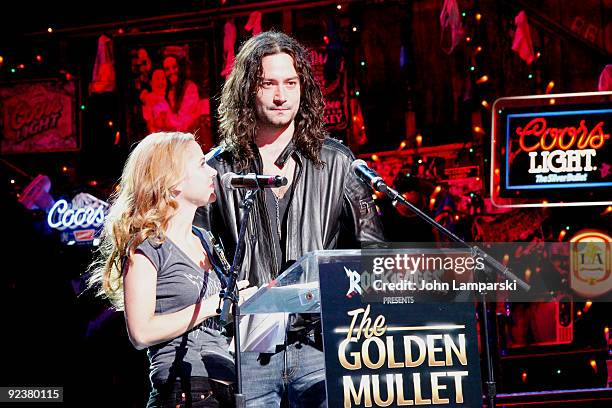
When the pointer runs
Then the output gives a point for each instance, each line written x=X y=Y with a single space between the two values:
x=63 y=216
x=559 y=161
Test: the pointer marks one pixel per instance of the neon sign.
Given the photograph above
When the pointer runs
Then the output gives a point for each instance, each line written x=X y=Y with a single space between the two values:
x=559 y=156
x=63 y=216
x=580 y=135
x=552 y=150
x=80 y=219
x=564 y=159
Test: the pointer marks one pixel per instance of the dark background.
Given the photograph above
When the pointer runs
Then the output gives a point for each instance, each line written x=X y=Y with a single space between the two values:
x=56 y=334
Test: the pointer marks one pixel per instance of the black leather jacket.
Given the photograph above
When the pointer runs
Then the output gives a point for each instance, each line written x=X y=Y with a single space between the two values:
x=330 y=208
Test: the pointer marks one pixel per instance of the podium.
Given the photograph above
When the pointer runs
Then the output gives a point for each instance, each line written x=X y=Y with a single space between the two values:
x=297 y=289
x=382 y=348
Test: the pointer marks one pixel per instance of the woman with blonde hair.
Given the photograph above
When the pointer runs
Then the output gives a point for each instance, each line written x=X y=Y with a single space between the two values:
x=162 y=273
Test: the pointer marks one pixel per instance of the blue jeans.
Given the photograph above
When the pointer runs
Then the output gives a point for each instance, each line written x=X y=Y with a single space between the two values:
x=265 y=378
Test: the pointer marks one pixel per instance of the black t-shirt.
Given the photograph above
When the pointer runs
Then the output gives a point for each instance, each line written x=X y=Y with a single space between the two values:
x=277 y=212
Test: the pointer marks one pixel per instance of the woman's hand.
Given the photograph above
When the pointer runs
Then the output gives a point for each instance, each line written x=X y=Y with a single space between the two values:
x=212 y=303
x=245 y=291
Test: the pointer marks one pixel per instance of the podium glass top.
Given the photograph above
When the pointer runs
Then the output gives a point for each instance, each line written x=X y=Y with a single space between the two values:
x=297 y=289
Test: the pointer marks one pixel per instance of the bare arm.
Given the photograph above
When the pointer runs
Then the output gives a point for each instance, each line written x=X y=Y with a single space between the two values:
x=144 y=327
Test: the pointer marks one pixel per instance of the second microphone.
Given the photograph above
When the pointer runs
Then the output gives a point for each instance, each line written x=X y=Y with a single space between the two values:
x=251 y=181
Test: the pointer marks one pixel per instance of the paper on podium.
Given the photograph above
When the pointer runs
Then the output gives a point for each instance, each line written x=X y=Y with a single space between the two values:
x=262 y=332
x=264 y=324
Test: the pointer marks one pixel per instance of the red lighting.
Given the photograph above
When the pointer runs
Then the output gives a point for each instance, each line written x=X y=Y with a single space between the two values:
x=419 y=140
x=580 y=136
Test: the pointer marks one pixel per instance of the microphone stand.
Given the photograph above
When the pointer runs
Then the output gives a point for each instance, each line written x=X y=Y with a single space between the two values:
x=379 y=185
x=230 y=296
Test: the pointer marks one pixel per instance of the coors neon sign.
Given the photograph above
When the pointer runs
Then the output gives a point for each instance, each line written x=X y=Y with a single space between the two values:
x=80 y=220
x=550 y=152
x=561 y=154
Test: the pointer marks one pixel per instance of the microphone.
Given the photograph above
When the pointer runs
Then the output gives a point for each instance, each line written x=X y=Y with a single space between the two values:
x=251 y=181
x=368 y=176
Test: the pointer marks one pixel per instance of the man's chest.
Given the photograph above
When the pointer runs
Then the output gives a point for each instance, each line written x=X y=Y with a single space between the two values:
x=287 y=171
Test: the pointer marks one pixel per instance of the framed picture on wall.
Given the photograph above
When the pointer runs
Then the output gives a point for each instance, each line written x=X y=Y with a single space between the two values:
x=39 y=116
x=166 y=78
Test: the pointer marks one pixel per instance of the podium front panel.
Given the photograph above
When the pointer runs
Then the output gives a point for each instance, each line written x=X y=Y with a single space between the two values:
x=396 y=354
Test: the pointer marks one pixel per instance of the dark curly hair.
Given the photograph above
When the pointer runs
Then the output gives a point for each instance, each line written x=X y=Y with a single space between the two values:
x=237 y=115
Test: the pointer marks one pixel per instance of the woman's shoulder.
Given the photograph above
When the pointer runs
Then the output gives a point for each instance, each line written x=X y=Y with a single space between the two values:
x=152 y=243
x=156 y=250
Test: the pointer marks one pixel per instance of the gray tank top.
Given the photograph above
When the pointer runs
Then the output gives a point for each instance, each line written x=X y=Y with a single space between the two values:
x=203 y=351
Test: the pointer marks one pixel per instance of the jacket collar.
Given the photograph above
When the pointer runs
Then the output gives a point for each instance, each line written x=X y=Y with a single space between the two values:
x=285 y=154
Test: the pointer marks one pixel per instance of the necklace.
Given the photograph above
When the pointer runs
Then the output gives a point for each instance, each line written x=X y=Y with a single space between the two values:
x=286 y=171
x=278 y=220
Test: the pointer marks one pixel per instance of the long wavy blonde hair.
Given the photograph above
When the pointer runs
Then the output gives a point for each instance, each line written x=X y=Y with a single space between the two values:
x=140 y=208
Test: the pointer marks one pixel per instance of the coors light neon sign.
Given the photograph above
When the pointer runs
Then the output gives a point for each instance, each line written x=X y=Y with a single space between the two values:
x=558 y=149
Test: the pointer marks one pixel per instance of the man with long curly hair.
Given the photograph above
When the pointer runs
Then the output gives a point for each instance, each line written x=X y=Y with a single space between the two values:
x=271 y=122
